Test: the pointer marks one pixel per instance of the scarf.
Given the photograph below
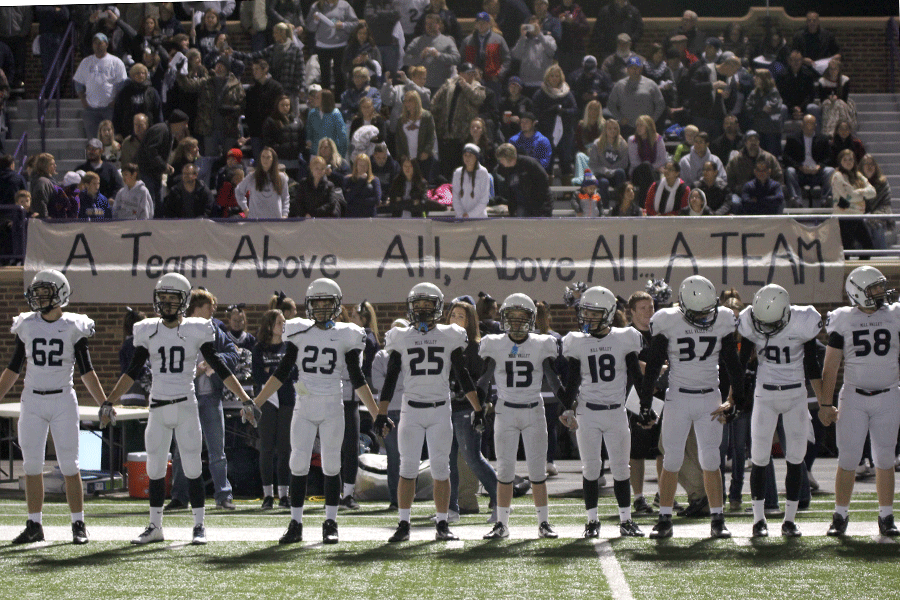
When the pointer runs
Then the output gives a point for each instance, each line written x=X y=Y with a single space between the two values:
x=646 y=150
x=671 y=201
x=556 y=93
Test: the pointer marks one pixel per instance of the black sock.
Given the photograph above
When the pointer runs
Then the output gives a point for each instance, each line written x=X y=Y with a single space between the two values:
x=298 y=490
x=758 y=482
x=622 y=490
x=792 y=481
x=196 y=492
x=591 y=493
x=157 y=492
x=332 y=489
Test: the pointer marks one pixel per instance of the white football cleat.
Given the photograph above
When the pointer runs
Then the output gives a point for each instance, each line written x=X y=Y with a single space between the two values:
x=150 y=535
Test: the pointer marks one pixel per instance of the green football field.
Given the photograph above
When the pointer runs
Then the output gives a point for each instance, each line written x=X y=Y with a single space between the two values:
x=244 y=560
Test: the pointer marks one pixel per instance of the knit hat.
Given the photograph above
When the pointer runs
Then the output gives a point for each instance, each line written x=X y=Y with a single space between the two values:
x=71 y=178
x=472 y=149
x=236 y=153
x=516 y=80
x=589 y=179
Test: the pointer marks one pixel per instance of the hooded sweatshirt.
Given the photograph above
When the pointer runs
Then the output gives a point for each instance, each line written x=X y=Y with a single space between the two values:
x=134 y=203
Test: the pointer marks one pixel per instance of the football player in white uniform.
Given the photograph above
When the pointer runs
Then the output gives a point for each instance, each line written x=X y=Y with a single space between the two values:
x=865 y=336
x=601 y=357
x=784 y=339
x=422 y=353
x=322 y=349
x=173 y=342
x=693 y=336
x=518 y=361
x=52 y=342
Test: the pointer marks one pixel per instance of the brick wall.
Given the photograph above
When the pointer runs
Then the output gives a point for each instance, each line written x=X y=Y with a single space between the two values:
x=862 y=40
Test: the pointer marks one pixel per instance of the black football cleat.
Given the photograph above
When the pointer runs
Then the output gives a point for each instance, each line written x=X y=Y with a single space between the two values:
x=630 y=529
x=329 y=531
x=402 y=533
x=268 y=503
x=761 y=528
x=662 y=529
x=886 y=526
x=838 y=526
x=293 y=534
x=442 y=532
x=34 y=532
x=641 y=507
x=717 y=527
x=79 y=533
x=591 y=530
x=546 y=531
x=790 y=529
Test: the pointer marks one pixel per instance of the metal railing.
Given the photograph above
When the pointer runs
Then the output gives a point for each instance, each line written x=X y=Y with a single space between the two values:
x=892 y=40
x=65 y=57
x=21 y=153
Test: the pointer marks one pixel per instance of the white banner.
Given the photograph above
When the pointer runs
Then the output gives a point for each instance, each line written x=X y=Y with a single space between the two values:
x=381 y=259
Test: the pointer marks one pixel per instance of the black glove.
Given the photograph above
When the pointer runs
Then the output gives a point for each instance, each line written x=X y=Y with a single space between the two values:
x=381 y=421
x=647 y=416
x=478 y=418
x=732 y=414
x=842 y=203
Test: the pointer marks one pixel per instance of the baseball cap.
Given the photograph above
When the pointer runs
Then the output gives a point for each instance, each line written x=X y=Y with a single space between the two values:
x=589 y=61
x=634 y=61
x=236 y=153
x=95 y=143
x=516 y=80
x=102 y=37
x=178 y=116
x=527 y=115
x=483 y=16
x=750 y=133
x=71 y=178
x=314 y=88
x=466 y=67
x=623 y=37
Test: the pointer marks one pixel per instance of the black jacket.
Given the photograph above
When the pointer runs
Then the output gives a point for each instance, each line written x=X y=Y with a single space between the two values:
x=795 y=150
x=132 y=99
x=260 y=103
x=321 y=201
x=182 y=204
x=153 y=153
x=527 y=183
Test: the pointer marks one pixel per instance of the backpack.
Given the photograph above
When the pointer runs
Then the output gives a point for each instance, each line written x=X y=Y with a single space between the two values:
x=63 y=204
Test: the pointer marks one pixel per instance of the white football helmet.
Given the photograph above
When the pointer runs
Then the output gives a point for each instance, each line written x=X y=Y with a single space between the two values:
x=868 y=288
x=423 y=318
x=57 y=291
x=596 y=310
x=513 y=324
x=172 y=283
x=698 y=301
x=323 y=289
x=771 y=309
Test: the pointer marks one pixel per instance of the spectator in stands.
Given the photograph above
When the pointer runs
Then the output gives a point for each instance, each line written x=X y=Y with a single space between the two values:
x=852 y=191
x=526 y=184
x=843 y=139
x=282 y=132
x=268 y=189
x=434 y=51
x=833 y=84
x=471 y=186
x=814 y=42
x=718 y=197
x=385 y=168
x=203 y=37
x=531 y=142
x=362 y=190
x=657 y=70
x=625 y=206
x=261 y=99
x=285 y=61
x=64 y=202
x=763 y=111
x=880 y=204
x=805 y=160
x=771 y=52
x=233 y=160
x=106 y=20
x=331 y=36
x=555 y=108
x=742 y=165
x=478 y=135
x=453 y=107
x=692 y=163
x=368 y=116
x=136 y=96
x=712 y=92
x=677 y=49
x=221 y=99
x=153 y=153
x=669 y=195
x=23 y=199
x=169 y=24
x=392 y=91
x=634 y=96
x=382 y=16
x=646 y=154
x=590 y=83
x=362 y=51
x=10 y=181
x=618 y=16
x=92 y=203
x=336 y=168
x=406 y=195
x=133 y=200
x=112 y=149
x=15 y=30
x=317 y=195
x=695 y=37
x=226 y=202
x=324 y=120
x=615 y=65
x=586 y=201
x=548 y=23
x=147 y=35
x=358 y=90
x=513 y=106
x=797 y=85
x=449 y=24
x=534 y=50
x=415 y=134
x=507 y=16
x=731 y=140
x=697 y=206
x=180 y=98
x=587 y=130
x=110 y=180
x=52 y=24
x=608 y=160
x=575 y=30
x=98 y=79
x=762 y=195
x=157 y=64
x=734 y=40
x=187 y=152
x=131 y=143
x=488 y=51
x=189 y=198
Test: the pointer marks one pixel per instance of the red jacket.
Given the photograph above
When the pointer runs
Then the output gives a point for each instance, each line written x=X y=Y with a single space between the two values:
x=496 y=55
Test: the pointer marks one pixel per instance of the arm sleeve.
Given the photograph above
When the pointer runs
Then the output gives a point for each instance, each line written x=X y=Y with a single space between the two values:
x=395 y=364
x=747 y=349
x=733 y=365
x=357 y=379
x=551 y=376
x=213 y=360
x=633 y=365
x=18 y=358
x=458 y=360
x=658 y=346
x=487 y=374
x=573 y=382
x=138 y=359
x=283 y=371
x=812 y=368
x=83 y=356
x=836 y=340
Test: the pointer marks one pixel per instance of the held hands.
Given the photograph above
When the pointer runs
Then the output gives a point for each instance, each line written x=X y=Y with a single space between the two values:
x=726 y=413
x=383 y=425
x=828 y=414
x=479 y=416
x=250 y=413
x=647 y=418
x=568 y=419
x=107 y=414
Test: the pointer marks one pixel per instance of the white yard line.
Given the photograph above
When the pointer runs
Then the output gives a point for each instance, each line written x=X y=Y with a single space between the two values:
x=612 y=570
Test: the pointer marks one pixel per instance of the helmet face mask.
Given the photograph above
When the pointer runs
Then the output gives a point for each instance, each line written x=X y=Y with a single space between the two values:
x=171 y=296
x=424 y=306
x=698 y=302
x=868 y=288
x=48 y=290
x=323 y=302
x=596 y=310
x=770 y=312
x=517 y=321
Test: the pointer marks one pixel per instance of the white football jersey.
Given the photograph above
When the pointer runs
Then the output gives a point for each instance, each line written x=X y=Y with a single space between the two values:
x=519 y=370
x=426 y=359
x=173 y=353
x=50 y=347
x=603 y=372
x=871 y=344
x=320 y=358
x=781 y=355
x=693 y=352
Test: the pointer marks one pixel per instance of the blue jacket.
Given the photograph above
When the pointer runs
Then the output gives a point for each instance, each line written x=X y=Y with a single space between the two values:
x=537 y=147
x=362 y=197
x=332 y=126
x=762 y=198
